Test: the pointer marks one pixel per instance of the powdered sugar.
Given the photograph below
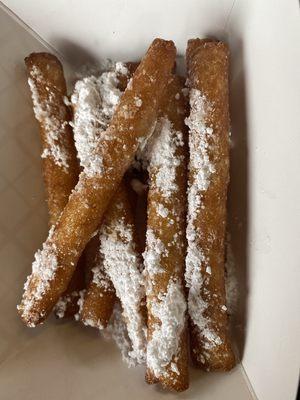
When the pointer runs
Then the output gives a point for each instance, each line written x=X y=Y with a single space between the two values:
x=161 y=154
x=196 y=304
x=208 y=270
x=117 y=330
x=162 y=210
x=80 y=303
x=193 y=275
x=169 y=309
x=53 y=121
x=44 y=268
x=155 y=249
x=142 y=154
x=200 y=166
x=200 y=169
x=120 y=68
x=94 y=101
x=138 y=102
x=61 y=306
x=123 y=265
x=100 y=277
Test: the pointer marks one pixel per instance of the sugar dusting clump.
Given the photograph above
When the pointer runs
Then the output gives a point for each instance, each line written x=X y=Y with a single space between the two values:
x=169 y=310
x=44 y=267
x=94 y=100
x=117 y=331
x=123 y=265
x=161 y=154
x=61 y=306
x=46 y=113
x=152 y=255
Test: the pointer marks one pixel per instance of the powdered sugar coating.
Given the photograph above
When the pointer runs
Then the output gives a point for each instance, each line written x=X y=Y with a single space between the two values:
x=80 y=305
x=165 y=298
x=100 y=277
x=196 y=304
x=123 y=265
x=201 y=168
x=160 y=154
x=120 y=68
x=155 y=249
x=162 y=210
x=141 y=160
x=44 y=268
x=62 y=305
x=94 y=101
x=53 y=121
x=169 y=309
x=117 y=331
x=200 y=165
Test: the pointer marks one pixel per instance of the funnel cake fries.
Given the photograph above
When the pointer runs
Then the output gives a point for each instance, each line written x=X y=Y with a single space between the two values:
x=167 y=355
x=207 y=66
x=122 y=263
x=130 y=126
x=60 y=167
x=48 y=87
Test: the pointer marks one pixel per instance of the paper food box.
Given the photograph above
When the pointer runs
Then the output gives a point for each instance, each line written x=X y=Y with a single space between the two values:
x=62 y=360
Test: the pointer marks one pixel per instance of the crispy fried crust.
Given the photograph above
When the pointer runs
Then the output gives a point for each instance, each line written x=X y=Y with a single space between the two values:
x=85 y=209
x=207 y=67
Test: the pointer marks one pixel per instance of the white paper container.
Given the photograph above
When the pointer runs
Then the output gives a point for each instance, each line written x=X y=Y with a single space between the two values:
x=64 y=361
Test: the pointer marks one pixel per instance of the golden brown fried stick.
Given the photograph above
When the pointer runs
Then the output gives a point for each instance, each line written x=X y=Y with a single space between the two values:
x=98 y=301
x=121 y=262
x=207 y=66
x=60 y=167
x=167 y=355
x=131 y=124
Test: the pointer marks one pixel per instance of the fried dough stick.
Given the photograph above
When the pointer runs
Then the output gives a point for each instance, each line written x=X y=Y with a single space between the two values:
x=167 y=354
x=207 y=67
x=122 y=263
x=60 y=166
x=131 y=124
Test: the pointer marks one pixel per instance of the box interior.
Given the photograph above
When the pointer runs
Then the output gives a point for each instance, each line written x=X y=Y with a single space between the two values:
x=263 y=216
